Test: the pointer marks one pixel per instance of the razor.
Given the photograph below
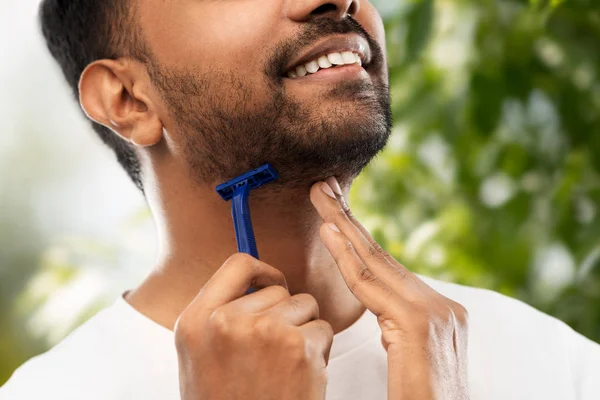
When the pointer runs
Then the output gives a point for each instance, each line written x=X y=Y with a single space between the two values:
x=238 y=190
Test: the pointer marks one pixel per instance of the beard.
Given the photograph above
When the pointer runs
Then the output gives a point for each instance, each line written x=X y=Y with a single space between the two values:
x=226 y=131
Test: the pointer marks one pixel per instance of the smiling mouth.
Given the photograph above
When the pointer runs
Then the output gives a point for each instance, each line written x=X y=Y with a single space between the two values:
x=331 y=60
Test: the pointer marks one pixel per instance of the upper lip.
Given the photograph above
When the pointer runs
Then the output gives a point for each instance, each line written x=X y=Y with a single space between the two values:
x=337 y=44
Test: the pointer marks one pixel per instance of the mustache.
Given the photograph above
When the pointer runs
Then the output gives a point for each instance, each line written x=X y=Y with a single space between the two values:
x=313 y=31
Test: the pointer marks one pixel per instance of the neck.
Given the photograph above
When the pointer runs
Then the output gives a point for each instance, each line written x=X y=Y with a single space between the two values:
x=195 y=231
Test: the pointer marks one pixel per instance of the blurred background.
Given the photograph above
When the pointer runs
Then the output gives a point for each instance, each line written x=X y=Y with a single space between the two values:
x=491 y=178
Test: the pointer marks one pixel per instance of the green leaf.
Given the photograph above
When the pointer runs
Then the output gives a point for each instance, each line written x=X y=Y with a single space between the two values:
x=420 y=24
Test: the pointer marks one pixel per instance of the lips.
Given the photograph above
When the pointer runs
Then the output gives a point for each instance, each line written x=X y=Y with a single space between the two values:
x=352 y=43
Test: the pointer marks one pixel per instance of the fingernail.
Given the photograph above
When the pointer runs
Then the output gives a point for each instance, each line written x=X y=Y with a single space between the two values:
x=335 y=186
x=327 y=189
x=334 y=227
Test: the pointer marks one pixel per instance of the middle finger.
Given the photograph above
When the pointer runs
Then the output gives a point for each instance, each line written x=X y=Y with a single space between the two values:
x=398 y=278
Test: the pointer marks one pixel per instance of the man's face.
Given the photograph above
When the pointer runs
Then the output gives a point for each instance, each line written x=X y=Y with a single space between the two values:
x=228 y=78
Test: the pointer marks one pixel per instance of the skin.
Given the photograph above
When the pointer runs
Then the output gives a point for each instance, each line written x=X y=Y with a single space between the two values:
x=212 y=63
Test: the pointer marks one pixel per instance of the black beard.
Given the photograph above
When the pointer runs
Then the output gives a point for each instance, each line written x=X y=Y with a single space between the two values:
x=225 y=135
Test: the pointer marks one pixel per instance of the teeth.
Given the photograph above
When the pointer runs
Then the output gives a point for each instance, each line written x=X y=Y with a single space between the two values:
x=312 y=67
x=348 y=57
x=324 y=62
x=301 y=71
x=336 y=59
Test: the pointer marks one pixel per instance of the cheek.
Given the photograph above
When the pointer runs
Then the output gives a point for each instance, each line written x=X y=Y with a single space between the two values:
x=223 y=36
x=371 y=20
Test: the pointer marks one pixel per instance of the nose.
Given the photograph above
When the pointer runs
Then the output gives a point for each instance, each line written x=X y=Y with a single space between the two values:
x=306 y=10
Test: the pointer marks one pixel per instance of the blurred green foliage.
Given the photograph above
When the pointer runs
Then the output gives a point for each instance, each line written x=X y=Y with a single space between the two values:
x=21 y=243
x=492 y=175
x=490 y=178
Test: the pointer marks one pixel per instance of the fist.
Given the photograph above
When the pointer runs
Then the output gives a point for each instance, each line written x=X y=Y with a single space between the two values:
x=265 y=345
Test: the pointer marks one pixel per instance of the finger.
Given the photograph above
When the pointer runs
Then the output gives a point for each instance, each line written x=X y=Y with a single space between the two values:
x=335 y=211
x=240 y=272
x=258 y=301
x=333 y=183
x=320 y=336
x=296 y=310
x=366 y=286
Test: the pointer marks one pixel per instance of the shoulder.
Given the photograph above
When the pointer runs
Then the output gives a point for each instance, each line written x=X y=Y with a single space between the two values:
x=500 y=316
x=507 y=333
x=96 y=361
x=492 y=307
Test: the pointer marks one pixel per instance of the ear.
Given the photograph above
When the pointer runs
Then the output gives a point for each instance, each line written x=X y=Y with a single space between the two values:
x=109 y=97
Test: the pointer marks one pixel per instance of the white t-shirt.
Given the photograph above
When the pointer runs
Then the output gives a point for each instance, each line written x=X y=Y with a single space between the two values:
x=515 y=352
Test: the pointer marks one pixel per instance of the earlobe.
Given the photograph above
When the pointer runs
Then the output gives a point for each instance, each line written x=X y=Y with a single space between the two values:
x=106 y=96
x=148 y=135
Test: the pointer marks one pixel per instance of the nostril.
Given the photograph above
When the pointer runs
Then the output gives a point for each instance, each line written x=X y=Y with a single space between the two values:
x=353 y=10
x=324 y=9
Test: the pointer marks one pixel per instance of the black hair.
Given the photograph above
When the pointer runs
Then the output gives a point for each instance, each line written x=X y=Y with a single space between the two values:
x=79 y=32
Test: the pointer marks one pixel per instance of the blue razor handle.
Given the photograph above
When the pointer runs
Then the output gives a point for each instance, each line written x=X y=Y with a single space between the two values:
x=238 y=190
x=244 y=234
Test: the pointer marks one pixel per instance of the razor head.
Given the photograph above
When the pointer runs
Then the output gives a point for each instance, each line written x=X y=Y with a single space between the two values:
x=254 y=179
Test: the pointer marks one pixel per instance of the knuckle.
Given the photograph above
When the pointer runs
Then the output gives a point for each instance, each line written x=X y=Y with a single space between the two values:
x=365 y=275
x=327 y=330
x=276 y=277
x=219 y=322
x=296 y=303
x=277 y=292
x=440 y=313
x=295 y=346
x=347 y=211
x=280 y=277
x=305 y=300
x=265 y=328
x=184 y=332
x=242 y=260
x=347 y=252
x=403 y=274
x=295 y=341
x=376 y=252
x=444 y=317
x=321 y=342
x=348 y=247
x=325 y=333
x=237 y=258
x=461 y=313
